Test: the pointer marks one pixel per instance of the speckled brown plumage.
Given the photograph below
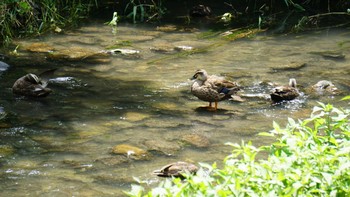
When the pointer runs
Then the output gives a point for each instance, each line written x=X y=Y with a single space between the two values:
x=212 y=88
x=285 y=93
x=30 y=85
x=176 y=169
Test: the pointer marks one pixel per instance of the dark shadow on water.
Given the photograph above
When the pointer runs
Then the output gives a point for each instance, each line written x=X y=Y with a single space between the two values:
x=206 y=110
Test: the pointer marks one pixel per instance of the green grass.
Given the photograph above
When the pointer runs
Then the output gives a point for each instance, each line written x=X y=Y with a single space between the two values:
x=33 y=17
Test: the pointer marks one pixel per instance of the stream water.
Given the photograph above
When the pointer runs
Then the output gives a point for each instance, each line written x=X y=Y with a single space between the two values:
x=61 y=145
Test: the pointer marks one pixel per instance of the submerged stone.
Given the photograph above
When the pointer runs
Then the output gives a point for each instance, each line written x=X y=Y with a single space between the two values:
x=162 y=49
x=77 y=165
x=289 y=67
x=336 y=55
x=162 y=146
x=167 y=28
x=131 y=152
x=112 y=161
x=135 y=116
x=6 y=150
x=196 y=140
x=165 y=106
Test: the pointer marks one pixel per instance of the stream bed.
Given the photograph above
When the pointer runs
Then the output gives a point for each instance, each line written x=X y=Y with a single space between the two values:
x=130 y=88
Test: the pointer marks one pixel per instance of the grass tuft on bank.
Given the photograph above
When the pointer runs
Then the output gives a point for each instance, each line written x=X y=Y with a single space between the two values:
x=21 y=18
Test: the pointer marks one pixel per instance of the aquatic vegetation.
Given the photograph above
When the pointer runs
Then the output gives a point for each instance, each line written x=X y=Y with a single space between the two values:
x=309 y=158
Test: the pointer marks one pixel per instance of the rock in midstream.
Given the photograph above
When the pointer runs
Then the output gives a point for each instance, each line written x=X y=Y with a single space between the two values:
x=131 y=152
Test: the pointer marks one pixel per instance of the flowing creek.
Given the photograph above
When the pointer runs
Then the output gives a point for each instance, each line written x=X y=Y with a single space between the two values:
x=62 y=145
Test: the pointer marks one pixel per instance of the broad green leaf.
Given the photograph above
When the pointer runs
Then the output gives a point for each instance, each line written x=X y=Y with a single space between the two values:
x=276 y=126
x=346 y=98
x=266 y=134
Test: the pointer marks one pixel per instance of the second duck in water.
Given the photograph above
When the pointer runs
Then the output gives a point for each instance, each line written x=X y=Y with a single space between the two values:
x=212 y=88
x=285 y=93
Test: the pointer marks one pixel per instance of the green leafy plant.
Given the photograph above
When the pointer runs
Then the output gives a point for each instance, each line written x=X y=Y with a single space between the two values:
x=310 y=157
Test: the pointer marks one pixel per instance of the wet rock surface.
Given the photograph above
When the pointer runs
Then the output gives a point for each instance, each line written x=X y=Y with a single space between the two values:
x=40 y=48
x=3 y=66
x=333 y=55
x=78 y=54
x=131 y=152
x=196 y=140
x=113 y=161
x=293 y=66
x=162 y=146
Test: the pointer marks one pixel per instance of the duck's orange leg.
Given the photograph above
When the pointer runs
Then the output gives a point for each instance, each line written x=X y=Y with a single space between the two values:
x=211 y=108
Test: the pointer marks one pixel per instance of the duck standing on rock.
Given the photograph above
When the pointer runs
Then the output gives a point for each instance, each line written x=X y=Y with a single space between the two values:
x=212 y=88
x=285 y=93
x=32 y=85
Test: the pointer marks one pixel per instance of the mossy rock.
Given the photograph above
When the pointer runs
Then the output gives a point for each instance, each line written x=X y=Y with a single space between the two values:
x=135 y=116
x=131 y=152
x=40 y=48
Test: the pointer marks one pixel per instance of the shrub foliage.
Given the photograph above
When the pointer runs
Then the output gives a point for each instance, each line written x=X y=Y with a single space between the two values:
x=310 y=157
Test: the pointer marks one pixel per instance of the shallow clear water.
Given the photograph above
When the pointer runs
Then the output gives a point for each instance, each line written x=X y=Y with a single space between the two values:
x=61 y=145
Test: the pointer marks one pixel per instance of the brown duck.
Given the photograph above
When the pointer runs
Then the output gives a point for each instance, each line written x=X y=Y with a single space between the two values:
x=32 y=85
x=285 y=93
x=176 y=169
x=212 y=88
